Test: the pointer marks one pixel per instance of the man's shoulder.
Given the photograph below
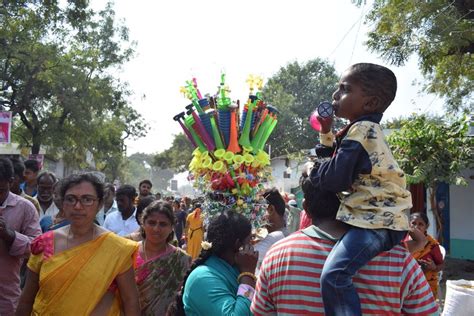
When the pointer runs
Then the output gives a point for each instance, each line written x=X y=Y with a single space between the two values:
x=17 y=201
x=294 y=242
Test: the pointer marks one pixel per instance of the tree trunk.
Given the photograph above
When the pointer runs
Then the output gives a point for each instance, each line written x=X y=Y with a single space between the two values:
x=35 y=148
x=437 y=216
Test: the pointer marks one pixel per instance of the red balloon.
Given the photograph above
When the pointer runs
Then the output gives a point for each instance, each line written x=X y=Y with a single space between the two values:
x=313 y=120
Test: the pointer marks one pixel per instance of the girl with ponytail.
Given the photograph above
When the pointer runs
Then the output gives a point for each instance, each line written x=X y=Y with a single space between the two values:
x=221 y=279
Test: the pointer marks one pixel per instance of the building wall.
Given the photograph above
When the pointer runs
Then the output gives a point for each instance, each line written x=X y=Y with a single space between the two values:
x=278 y=169
x=462 y=218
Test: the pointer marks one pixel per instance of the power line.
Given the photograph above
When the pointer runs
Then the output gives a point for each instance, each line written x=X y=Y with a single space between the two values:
x=357 y=35
x=345 y=35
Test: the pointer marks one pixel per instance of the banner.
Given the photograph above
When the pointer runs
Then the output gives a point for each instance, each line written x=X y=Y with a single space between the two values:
x=5 y=126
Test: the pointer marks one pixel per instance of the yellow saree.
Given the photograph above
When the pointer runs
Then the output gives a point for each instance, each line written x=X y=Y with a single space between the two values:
x=74 y=281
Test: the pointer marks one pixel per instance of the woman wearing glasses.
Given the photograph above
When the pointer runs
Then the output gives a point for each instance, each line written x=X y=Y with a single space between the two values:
x=80 y=269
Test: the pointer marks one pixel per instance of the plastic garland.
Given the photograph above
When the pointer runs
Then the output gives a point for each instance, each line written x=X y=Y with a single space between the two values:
x=229 y=164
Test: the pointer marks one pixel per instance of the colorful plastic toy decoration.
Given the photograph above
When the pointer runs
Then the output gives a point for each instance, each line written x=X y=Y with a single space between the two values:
x=229 y=163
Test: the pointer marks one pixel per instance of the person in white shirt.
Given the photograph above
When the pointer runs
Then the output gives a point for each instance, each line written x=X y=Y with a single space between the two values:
x=46 y=181
x=275 y=216
x=124 y=221
x=109 y=203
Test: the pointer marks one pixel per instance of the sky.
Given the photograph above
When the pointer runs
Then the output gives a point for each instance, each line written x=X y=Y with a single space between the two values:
x=181 y=39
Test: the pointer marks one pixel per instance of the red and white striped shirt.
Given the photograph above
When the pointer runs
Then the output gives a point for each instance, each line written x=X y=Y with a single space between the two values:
x=289 y=282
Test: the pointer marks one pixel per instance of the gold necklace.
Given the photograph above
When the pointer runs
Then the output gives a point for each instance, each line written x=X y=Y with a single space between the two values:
x=69 y=232
x=144 y=250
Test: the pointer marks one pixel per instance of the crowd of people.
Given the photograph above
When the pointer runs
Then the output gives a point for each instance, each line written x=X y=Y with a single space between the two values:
x=78 y=246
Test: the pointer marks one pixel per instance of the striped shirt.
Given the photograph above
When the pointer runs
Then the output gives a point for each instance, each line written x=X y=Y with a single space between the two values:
x=289 y=281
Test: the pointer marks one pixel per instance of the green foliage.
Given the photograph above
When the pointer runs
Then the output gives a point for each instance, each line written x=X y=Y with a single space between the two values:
x=177 y=157
x=440 y=32
x=56 y=64
x=296 y=90
x=432 y=150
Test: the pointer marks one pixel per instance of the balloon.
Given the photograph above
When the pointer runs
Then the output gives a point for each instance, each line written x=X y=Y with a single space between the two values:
x=313 y=120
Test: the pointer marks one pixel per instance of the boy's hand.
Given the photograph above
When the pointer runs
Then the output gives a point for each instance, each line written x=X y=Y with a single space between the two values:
x=326 y=123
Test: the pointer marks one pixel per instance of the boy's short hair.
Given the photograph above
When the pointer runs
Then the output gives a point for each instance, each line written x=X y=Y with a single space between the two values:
x=376 y=80
x=32 y=165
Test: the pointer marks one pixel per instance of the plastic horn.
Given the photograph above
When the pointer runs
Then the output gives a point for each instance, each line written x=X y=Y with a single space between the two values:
x=233 y=142
x=244 y=139
x=195 y=85
x=238 y=160
x=178 y=118
x=219 y=153
x=273 y=111
x=193 y=96
x=206 y=162
x=261 y=130
x=219 y=166
x=200 y=128
x=229 y=157
x=325 y=109
x=267 y=134
x=189 y=122
x=215 y=131
x=223 y=101
x=224 y=124
x=263 y=114
x=248 y=159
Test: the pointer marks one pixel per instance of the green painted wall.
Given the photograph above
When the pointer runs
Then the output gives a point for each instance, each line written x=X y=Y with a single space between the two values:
x=462 y=249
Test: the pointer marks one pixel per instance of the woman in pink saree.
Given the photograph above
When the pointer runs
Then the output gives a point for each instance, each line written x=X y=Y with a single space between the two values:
x=159 y=267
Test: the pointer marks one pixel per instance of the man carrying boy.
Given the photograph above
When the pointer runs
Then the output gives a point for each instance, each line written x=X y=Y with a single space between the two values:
x=372 y=188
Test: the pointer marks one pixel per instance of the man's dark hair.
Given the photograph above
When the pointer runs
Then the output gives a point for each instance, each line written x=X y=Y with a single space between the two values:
x=145 y=181
x=18 y=167
x=142 y=204
x=376 y=80
x=273 y=197
x=319 y=203
x=6 y=169
x=78 y=178
x=127 y=190
x=32 y=165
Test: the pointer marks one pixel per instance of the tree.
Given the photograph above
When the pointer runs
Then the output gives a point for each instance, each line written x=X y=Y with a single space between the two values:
x=431 y=150
x=296 y=90
x=56 y=62
x=440 y=33
x=177 y=157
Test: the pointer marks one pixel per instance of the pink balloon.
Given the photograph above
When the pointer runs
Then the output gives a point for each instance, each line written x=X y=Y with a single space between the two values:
x=313 y=120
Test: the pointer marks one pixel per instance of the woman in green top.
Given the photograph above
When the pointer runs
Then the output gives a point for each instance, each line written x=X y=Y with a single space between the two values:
x=221 y=280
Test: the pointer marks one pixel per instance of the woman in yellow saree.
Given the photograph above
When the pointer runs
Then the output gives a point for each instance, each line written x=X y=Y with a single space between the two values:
x=80 y=269
x=194 y=232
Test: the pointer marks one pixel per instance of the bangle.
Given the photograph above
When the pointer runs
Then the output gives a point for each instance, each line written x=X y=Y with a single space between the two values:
x=249 y=274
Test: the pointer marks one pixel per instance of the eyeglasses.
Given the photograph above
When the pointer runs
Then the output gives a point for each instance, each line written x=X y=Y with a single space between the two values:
x=86 y=200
